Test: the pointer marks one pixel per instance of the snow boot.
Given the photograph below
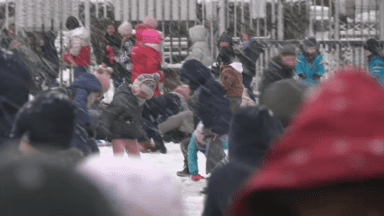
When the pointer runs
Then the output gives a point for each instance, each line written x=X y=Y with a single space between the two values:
x=184 y=173
x=147 y=145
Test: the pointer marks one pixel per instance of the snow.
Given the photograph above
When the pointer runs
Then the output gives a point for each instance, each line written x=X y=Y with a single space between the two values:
x=173 y=162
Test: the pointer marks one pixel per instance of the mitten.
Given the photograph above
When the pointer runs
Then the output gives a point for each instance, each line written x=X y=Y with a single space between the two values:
x=197 y=177
x=68 y=58
x=109 y=49
x=111 y=57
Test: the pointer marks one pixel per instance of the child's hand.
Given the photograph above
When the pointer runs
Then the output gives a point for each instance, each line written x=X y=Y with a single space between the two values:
x=199 y=136
x=197 y=177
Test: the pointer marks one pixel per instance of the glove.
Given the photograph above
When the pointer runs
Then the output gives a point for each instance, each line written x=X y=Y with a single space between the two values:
x=109 y=49
x=68 y=58
x=111 y=57
x=197 y=177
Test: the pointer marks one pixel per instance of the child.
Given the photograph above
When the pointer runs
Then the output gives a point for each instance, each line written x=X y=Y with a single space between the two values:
x=310 y=65
x=375 y=60
x=146 y=58
x=231 y=77
x=123 y=118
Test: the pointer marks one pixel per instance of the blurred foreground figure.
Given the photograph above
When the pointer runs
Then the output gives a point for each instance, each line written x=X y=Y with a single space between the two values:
x=33 y=186
x=134 y=187
x=329 y=161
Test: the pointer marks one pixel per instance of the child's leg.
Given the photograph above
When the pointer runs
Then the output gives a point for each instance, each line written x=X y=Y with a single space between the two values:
x=118 y=147
x=215 y=152
x=132 y=148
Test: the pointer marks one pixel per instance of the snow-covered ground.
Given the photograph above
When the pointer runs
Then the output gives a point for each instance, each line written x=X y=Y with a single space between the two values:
x=173 y=162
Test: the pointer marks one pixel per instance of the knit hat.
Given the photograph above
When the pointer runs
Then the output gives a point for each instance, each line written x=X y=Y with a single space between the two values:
x=183 y=90
x=145 y=83
x=373 y=46
x=151 y=36
x=310 y=42
x=252 y=131
x=284 y=97
x=125 y=28
x=35 y=185
x=225 y=37
x=136 y=187
x=288 y=49
x=104 y=76
x=150 y=21
x=47 y=121
x=335 y=138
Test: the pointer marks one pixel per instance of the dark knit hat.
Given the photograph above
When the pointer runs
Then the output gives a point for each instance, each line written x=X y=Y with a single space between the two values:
x=35 y=185
x=288 y=49
x=225 y=37
x=47 y=121
x=252 y=131
x=284 y=98
x=72 y=23
x=310 y=42
x=373 y=46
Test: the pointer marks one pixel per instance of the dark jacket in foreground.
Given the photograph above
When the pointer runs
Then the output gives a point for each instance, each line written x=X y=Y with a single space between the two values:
x=252 y=131
x=123 y=118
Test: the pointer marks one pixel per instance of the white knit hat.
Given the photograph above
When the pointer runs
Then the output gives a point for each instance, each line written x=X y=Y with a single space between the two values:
x=137 y=188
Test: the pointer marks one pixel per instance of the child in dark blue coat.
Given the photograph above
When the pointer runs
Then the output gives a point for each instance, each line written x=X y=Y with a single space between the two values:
x=310 y=64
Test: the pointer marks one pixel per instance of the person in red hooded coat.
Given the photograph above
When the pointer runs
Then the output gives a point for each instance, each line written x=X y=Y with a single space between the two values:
x=330 y=160
x=146 y=58
x=148 y=23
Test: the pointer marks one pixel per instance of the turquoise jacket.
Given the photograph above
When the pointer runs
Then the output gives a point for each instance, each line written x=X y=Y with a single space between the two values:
x=192 y=154
x=376 y=67
x=302 y=67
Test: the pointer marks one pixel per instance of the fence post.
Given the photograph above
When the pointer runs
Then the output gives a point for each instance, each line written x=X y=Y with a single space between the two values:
x=381 y=20
x=6 y=14
x=222 y=17
x=87 y=15
x=280 y=22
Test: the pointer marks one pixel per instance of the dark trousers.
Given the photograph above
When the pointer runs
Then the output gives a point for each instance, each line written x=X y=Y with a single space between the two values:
x=79 y=70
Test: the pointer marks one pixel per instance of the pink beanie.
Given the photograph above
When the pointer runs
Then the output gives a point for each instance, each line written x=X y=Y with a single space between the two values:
x=151 y=36
x=183 y=90
x=104 y=76
x=125 y=28
x=150 y=21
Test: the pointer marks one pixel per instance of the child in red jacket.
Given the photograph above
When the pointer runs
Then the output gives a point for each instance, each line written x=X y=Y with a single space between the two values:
x=146 y=58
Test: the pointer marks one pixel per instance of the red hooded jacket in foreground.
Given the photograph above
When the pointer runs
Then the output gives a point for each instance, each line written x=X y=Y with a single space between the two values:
x=336 y=137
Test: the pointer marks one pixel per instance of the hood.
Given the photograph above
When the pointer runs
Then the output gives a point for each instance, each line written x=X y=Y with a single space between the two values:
x=197 y=33
x=253 y=130
x=88 y=82
x=335 y=138
x=194 y=71
x=237 y=66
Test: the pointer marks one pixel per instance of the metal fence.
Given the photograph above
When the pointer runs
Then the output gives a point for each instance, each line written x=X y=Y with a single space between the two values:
x=340 y=25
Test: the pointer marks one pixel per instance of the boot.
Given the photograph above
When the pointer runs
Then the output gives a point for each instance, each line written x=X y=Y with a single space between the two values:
x=147 y=145
x=184 y=173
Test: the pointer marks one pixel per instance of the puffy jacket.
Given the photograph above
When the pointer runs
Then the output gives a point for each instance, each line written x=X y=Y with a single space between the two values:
x=123 y=118
x=302 y=67
x=250 y=54
x=80 y=46
x=200 y=48
x=146 y=60
x=376 y=67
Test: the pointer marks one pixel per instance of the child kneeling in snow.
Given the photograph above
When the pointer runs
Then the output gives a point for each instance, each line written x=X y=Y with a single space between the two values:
x=200 y=141
x=123 y=119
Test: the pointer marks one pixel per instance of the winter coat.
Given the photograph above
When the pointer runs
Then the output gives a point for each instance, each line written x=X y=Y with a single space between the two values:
x=115 y=42
x=123 y=117
x=146 y=60
x=251 y=51
x=213 y=108
x=125 y=53
x=250 y=136
x=336 y=138
x=275 y=71
x=80 y=46
x=303 y=67
x=376 y=67
x=49 y=55
x=232 y=81
x=84 y=86
x=199 y=49
x=14 y=81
